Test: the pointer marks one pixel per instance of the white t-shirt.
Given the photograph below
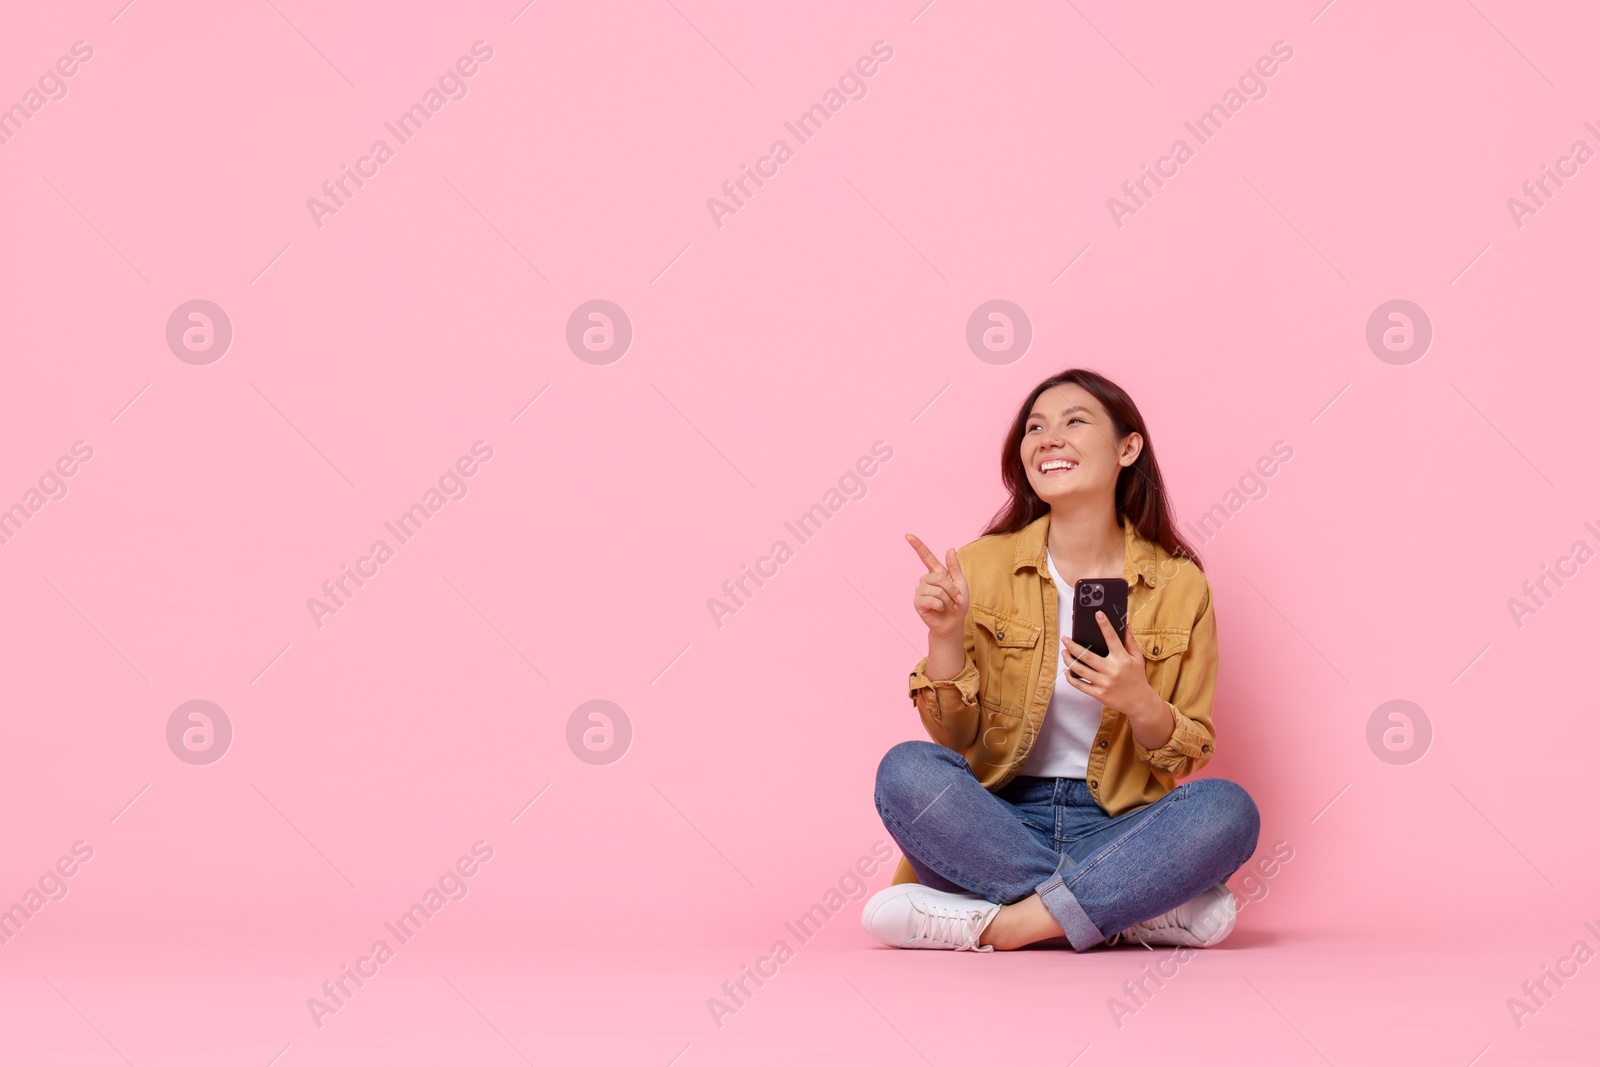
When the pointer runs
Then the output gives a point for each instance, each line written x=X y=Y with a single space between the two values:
x=1073 y=719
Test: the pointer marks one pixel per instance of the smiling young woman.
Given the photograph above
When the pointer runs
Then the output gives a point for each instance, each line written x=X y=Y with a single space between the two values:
x=1047 y=804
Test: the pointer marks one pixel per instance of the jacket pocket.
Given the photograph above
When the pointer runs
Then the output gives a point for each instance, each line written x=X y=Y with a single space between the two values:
x=1004 y=650
x=1161 y=646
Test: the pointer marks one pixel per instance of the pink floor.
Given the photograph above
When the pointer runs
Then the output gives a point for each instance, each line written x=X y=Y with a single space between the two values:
x=1268 y=996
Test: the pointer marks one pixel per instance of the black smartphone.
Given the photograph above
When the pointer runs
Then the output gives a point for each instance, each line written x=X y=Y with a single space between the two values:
x=1090 y=595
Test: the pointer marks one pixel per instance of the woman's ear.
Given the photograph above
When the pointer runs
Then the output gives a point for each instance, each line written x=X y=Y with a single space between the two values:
x=1132 y=445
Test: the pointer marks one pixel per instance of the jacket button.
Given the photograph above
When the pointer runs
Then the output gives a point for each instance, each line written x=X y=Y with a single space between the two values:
x=1156 y=651
x=1094 y=785
x=1205 y=748
x=1001 y=635
x=1102 y=744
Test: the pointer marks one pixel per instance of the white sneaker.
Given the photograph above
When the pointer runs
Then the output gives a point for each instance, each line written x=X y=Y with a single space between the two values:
x=913 y=916
x=1198 y=923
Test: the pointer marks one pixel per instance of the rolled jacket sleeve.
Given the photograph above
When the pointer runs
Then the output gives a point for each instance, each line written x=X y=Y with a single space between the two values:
x=1194 y=740
x=949 y=706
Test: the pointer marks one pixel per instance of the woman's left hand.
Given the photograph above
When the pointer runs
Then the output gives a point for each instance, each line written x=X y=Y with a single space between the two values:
x=1117 y=680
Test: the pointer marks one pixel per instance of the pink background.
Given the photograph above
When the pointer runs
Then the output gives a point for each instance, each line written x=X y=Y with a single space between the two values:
x=768 y=354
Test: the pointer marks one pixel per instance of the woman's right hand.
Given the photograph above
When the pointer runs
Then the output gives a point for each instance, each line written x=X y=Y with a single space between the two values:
x=941 y=597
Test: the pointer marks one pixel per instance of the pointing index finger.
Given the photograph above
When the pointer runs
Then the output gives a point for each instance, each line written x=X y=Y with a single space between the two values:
x=928 y=558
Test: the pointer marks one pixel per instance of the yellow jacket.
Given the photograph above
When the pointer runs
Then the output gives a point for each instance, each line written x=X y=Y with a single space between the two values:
x=993 y=710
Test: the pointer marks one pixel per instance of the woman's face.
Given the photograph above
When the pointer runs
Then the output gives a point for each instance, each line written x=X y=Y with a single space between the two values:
x=1071 y=434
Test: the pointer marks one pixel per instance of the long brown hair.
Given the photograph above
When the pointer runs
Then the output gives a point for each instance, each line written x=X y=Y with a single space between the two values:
x=1141 y=496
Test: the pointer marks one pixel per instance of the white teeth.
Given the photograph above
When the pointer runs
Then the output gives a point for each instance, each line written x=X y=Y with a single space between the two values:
x=1057 y=464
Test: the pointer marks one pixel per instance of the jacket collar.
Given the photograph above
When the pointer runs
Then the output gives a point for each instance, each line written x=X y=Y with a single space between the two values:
x=1031 y=551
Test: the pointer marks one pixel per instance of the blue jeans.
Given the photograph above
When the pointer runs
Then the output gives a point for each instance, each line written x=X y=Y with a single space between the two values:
x=1096 y=874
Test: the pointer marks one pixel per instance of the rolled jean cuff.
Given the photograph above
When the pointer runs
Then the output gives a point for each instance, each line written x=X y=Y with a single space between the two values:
x=1068 y=913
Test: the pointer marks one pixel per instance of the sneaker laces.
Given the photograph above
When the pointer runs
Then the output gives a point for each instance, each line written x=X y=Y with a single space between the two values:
x=960 y=927
x=1139 y=931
